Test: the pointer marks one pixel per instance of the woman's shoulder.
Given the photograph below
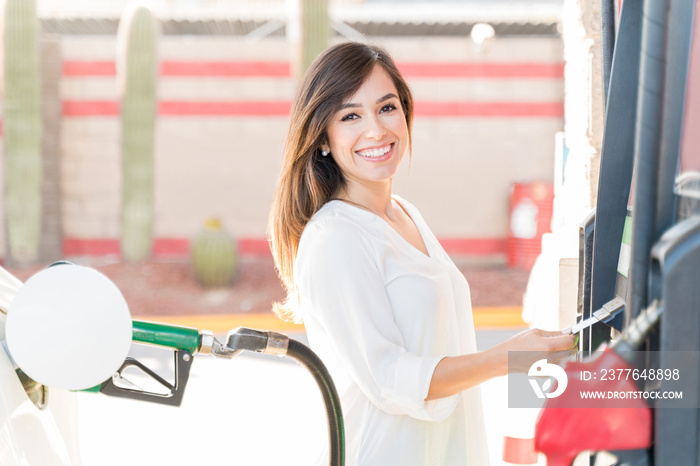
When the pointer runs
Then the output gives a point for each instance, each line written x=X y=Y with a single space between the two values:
x=335 y=233
x=335 y=219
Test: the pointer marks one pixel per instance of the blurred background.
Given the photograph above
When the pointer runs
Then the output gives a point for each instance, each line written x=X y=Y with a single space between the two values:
x=145 y=139
x=487 y=78
x=115 y=183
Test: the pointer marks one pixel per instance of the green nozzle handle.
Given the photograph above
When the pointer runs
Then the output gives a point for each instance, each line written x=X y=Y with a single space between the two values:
x=171 y=336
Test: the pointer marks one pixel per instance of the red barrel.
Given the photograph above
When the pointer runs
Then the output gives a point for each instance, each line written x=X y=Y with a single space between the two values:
x=530 y=216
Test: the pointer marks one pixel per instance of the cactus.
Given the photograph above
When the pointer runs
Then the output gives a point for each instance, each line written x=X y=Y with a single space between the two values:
x=214 y=255
x=137 y=73
x=22 y=130
x=51 y=243
x=315 y=31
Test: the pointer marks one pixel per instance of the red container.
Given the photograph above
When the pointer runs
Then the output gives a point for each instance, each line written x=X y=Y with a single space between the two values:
x=530 y=216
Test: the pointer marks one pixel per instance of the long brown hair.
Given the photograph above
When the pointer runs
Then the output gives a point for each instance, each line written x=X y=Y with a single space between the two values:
x=307 y=179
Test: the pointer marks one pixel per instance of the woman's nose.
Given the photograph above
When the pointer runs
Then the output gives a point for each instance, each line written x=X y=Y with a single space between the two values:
x=375 y=128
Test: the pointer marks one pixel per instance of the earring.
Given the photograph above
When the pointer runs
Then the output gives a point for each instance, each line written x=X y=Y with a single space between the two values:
x=324 y=153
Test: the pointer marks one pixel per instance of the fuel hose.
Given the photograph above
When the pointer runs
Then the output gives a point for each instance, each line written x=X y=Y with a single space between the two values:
x=307 y=358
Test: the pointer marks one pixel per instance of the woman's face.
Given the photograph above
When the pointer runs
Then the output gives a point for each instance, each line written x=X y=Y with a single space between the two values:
x=368 y=136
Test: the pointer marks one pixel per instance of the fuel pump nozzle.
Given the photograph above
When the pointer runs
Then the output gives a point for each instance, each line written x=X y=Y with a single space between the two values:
x=185 y=342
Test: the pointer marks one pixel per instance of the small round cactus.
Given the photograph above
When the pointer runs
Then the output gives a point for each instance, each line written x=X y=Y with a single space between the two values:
x=214 y=255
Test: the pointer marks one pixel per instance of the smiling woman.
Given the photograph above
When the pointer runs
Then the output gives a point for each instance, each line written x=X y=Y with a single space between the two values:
x=384 y=306
x=308 y=180
x=368 y=136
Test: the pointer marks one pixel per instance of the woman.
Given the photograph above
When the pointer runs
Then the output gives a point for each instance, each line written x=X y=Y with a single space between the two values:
x=384 y=306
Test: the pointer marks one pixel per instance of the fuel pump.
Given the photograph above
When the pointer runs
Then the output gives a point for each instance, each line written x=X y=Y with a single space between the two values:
x=640 y=254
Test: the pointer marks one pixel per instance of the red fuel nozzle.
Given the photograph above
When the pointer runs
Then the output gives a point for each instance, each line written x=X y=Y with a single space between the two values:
x=569 y=425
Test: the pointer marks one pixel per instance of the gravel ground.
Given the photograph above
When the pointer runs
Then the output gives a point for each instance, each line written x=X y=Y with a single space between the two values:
x=169 y=288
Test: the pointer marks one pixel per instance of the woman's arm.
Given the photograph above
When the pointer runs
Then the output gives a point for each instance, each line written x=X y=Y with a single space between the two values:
x=455 y=374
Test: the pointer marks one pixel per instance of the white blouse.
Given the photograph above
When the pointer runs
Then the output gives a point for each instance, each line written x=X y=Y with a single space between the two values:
x=381 y=315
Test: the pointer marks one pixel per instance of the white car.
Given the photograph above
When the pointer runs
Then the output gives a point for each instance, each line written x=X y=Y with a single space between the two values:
x=38 y=424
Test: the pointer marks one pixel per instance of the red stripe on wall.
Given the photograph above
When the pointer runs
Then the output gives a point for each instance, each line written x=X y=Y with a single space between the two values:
x=76 y=108
x=89 y=68
x=481 y=70
x=162 y=247
x=90 y=247
x=279 y=69
x=259 y=108
x=254 y=247
x=79 y=108
x=490 y=109
x=272 y=69
x=171 y=247
x=226 y=69
x=259 y=247
x=473 y=246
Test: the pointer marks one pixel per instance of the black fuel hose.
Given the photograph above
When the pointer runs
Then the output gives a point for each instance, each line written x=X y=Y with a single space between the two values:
x=307 y=358
x=650 y=116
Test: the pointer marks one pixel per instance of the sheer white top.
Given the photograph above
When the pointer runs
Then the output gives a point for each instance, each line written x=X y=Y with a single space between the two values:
x=381 y=314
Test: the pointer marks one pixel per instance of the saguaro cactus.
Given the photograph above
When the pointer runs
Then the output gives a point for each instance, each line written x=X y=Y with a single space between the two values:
x=137 y=75
x=22 y=130
x=51 y=242
x=315 y=31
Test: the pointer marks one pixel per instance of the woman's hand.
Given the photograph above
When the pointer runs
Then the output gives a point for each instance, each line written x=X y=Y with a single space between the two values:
x=519 y=352
x=458 y=373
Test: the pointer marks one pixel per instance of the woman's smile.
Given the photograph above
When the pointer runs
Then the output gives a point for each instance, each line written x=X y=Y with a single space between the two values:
x=377 y=154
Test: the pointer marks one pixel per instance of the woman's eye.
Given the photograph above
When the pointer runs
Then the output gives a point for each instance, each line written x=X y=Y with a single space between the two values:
x=350 y=116
x=388 y=108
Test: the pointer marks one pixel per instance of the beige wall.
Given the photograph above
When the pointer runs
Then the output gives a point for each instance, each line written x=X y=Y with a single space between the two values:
x=459 y=176
x=461 y=171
